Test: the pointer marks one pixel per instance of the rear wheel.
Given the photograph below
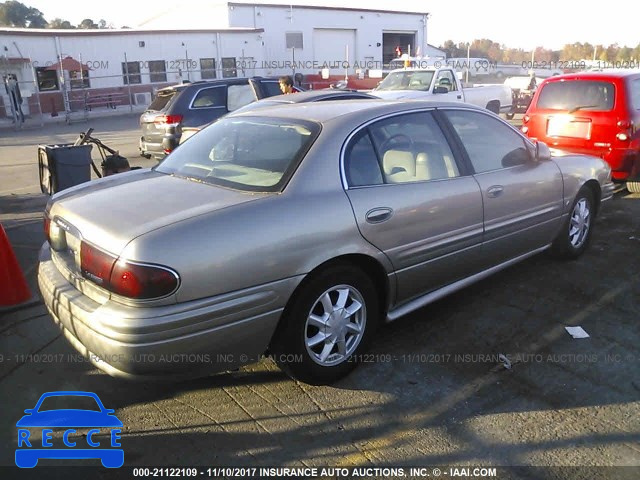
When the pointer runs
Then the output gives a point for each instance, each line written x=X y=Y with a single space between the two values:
x=575 y=235
x=327 y=325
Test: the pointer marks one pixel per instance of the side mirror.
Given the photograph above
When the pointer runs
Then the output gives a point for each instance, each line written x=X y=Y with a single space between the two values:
x=542 y=152
x=29 y=411
x=440 y=90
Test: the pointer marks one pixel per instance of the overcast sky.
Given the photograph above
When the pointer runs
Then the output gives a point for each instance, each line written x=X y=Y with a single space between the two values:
x=525 y=24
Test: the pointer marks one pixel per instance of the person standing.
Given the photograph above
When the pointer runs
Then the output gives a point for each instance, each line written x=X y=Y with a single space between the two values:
x=286 y=84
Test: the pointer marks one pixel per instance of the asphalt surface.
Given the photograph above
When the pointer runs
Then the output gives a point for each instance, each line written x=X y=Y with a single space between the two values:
x=432 y=393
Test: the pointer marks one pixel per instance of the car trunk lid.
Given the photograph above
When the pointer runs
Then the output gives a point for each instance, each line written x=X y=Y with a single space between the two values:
x=115 y=213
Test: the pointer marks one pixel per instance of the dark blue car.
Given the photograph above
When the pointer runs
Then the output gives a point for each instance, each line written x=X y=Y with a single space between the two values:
x=29 y=451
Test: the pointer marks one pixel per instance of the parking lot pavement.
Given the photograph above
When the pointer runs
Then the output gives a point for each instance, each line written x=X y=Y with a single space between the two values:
x=433 y=391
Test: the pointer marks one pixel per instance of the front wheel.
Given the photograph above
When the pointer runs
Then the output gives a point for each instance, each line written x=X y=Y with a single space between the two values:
x=633 y=185
x=327 y=325
x=575 y=235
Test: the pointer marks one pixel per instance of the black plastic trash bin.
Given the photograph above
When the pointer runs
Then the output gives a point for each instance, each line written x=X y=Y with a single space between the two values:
x=63 y=166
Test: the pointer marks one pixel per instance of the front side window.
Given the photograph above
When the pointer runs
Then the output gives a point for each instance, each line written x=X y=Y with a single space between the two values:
x=210 y=98
x=577 y=95
x=445 y=79
x=490 y=144
x=249 y=153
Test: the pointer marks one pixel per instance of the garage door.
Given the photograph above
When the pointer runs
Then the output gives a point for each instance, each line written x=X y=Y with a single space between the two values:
x=329 y=45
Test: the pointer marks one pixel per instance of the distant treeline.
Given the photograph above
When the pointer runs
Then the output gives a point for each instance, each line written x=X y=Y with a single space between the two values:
x=575 y=51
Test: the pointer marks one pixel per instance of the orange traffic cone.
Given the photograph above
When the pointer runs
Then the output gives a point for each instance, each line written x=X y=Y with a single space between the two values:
x=13 y=286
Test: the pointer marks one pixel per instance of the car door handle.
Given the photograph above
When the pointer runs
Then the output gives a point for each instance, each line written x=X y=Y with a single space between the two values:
x=379 y=215
x=495 y=191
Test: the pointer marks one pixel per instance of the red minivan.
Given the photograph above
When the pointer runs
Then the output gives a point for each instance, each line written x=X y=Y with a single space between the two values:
x=595 y=113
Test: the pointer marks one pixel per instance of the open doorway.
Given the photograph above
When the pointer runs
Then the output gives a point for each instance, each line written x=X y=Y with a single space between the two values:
x=391 y=40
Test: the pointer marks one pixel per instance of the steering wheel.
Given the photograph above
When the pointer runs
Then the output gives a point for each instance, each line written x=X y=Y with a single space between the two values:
x=398 y=137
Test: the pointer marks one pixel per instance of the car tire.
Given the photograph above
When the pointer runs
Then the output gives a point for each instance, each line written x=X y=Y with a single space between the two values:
x=575 y=234
x=633 y=185
x=509 y=115
x=341 y=294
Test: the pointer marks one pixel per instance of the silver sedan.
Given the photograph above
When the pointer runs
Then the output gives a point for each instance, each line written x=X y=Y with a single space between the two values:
x=296 y=230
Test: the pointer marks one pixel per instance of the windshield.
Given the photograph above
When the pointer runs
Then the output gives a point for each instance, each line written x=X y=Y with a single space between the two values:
x=577 y=95
x=407 y=80
x=66 y=402
x=248 y=153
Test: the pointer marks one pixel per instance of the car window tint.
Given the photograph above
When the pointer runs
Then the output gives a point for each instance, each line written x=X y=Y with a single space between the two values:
x=361 y=163
x=583 y=95
x=210 y=98
x=490 y=144
x=64 y=402
x=413 y=148
x=634 y=91
x=239 y=96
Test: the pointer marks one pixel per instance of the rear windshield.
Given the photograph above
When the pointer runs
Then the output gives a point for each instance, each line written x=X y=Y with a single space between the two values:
x=162 y=100
x=575 y=95
x=249 y=153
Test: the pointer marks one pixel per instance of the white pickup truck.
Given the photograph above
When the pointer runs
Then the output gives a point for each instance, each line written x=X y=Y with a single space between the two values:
x=442 y=84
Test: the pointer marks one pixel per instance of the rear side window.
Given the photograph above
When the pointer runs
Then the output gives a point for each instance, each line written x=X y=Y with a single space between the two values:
x=576 y=95
x=210 y=98
x=162 y=100
x=634 y=93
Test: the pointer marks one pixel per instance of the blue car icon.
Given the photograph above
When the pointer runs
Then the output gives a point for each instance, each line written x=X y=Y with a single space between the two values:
x=30 y=451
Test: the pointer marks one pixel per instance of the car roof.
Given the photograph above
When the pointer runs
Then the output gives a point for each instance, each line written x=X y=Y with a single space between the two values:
x=314 y=95
x=213 y=81
x=324 y=112
x=595 y=75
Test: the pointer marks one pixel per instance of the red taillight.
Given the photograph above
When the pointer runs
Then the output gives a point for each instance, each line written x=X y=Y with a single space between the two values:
x=96 y=265
x=142 y=281
x=168 y=119
x=130 y=280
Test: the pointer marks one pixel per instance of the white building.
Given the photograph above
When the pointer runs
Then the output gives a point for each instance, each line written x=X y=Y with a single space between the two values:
x=225 y=38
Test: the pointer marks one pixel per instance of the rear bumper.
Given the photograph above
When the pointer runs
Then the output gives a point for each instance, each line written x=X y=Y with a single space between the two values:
x=181 y=340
